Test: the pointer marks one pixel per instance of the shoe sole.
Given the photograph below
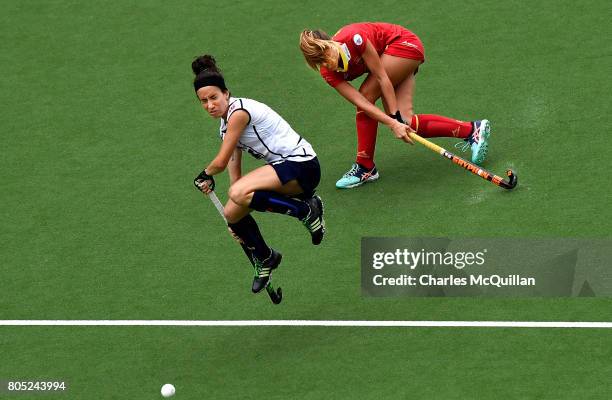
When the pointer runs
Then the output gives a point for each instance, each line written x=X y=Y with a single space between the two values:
x=322 y=219
x=372 y=178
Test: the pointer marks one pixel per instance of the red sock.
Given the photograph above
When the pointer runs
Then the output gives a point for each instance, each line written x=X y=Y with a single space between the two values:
x=429 y=125
x=366 y=139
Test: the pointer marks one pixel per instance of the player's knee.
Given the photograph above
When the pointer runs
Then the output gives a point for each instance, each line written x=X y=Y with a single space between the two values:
x=371 y=94
x=238 y=195
x=234 y=193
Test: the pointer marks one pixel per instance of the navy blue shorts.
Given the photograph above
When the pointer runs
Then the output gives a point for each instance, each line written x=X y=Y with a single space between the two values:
x=307 y=173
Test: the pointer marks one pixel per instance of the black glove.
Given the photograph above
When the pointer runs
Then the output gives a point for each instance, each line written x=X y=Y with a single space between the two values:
x=398 y=117
x=203 y=177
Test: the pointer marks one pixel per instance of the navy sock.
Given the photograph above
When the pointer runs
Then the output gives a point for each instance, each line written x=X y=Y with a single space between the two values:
x=278 y=203
x=248 y=231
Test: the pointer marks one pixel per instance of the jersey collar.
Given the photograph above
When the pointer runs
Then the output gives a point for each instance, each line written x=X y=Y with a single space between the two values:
x=345 y=57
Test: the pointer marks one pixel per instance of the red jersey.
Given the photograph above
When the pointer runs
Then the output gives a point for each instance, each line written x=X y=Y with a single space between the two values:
x=353 y=39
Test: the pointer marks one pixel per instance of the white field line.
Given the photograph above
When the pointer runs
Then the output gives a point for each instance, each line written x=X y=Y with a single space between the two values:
x=307 y=323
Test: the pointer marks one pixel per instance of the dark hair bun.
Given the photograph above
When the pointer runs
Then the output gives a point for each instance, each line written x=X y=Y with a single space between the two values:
x=205 y=63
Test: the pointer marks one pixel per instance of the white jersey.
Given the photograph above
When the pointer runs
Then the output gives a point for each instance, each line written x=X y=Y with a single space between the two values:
x=267 y=135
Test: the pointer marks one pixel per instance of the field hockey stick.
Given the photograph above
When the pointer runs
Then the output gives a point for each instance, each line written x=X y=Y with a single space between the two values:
x=275 y=295
x=473 y=168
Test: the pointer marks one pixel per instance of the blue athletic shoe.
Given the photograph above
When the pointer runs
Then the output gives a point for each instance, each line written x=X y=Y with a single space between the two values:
x=478 y=141
x=357 y=176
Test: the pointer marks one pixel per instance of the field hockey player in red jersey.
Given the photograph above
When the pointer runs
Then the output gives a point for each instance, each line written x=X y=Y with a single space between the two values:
x=285 y=185
x=391 y=56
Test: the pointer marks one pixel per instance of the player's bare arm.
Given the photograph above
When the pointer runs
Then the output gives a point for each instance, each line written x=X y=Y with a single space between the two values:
x=372 y=61
x=235 y=125
x=234 y=167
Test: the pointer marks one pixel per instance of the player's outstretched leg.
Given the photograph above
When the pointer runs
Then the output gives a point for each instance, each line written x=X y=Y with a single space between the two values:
x=314 y=221
x=357 y=176
x=478 y=141
x=263 y=270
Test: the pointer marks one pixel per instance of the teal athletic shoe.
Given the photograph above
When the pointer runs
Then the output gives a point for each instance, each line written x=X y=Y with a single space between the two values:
x=357 y=176
x=477 y=141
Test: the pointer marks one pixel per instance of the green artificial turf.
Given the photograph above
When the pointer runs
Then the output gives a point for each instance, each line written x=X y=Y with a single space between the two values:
x=312 y=363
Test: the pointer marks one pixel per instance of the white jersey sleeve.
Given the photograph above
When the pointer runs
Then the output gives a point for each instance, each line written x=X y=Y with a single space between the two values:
x=267 y=135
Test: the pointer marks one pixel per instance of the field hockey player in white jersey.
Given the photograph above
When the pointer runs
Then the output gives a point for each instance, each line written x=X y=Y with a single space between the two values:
x=285 y=185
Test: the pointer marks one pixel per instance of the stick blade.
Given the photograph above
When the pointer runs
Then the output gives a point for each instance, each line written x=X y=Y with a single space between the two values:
x=275 y=296
x=512 y=180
